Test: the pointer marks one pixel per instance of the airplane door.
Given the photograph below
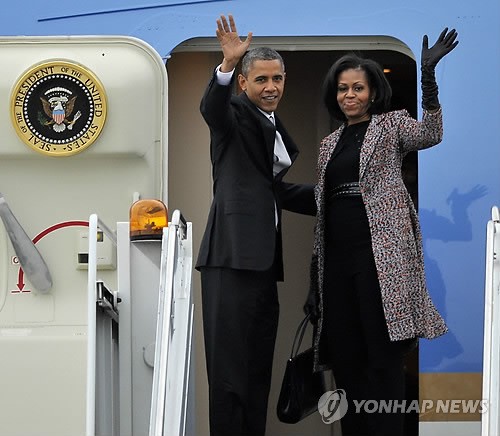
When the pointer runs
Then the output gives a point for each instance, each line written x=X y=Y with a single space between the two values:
x=83 y=132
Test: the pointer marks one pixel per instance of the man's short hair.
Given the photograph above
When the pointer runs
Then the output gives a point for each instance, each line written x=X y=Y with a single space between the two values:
x=259 y=54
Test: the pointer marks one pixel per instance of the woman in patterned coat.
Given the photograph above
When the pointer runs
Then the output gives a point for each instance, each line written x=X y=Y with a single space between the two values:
x=368 y=290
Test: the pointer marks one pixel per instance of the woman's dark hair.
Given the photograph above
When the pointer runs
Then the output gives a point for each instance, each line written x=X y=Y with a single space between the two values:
x=377 y=81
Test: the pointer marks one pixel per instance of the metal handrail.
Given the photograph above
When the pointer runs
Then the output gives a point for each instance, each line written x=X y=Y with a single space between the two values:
x=491 y=355
x=172 y=282
x=95 y=224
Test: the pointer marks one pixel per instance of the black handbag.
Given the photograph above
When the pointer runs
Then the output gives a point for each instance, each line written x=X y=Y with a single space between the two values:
x=301 y=387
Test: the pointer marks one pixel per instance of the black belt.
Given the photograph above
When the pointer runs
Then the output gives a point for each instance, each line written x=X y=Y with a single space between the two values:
x=345 y=190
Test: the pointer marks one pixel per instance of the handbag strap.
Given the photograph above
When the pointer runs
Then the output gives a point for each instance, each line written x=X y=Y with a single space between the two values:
x=297 y=341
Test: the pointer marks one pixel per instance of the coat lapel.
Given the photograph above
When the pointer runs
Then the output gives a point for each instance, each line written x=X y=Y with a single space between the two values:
x=325 y=156
x=368 y=146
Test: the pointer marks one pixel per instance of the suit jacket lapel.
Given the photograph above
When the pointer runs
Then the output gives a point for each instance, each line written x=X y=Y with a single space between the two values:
x=290 y=145
x=265 y=124
x=269 y=133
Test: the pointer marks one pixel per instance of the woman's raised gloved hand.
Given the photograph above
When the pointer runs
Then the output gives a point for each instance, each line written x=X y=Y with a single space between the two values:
x=430 y=58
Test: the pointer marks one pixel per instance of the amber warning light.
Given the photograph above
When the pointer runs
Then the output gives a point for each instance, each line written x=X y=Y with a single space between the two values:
x=147 y=220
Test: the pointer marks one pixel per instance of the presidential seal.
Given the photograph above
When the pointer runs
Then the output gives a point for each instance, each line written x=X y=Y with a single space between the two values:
x=58 y=108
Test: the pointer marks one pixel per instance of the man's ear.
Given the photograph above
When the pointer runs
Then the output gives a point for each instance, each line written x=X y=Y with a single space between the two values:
x=242 y=81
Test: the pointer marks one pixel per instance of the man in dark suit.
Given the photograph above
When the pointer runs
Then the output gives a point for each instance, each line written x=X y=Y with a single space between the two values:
x=240 y=257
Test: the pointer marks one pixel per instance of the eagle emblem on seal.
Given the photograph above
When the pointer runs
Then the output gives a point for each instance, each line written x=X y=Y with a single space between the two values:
x=58 y=104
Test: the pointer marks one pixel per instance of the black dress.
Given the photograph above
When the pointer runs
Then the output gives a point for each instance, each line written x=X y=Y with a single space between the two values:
x=365 y=363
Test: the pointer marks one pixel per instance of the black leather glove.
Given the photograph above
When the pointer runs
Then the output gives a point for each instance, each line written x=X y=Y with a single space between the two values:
x=430 y=58
x=311 y=304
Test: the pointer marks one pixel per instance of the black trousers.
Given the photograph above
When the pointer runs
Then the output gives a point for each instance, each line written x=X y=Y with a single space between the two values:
x=365 y=363
x=240 y=320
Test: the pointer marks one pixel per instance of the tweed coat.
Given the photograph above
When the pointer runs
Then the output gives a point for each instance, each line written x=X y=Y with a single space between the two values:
x=393 y=222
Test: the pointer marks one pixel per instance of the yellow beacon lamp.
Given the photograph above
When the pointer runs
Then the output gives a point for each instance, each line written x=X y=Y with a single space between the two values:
x=147 y=220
